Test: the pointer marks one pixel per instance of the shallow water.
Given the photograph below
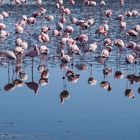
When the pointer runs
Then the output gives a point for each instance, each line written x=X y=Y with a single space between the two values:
x=91 y=112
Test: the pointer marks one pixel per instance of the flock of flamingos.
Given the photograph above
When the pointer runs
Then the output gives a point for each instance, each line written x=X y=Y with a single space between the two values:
x=69 y=47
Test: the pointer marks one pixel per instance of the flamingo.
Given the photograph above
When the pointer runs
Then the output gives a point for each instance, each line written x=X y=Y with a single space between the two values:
x=101 y=30
x=74 y=20
x=63 y=19
x=119 y=43
x=135 y=13
x=73 y=48
x=57 y=33
x=18 y=41
x=128 y=14
x=123 y=25
x=10 y=55
x=43 y=37
x=102 y=3
x=24 y=45
x=19 y=50
x=90 y=21
x=120 y=17
x=108 y=42
x=122 y=2
x=82 y=38
x=132 y=33
x=60 y=2
x=39 y=2
x=33 y=52
x=2 y=26
x=60 y=26
x=31 y=20
x=137 y=28
x=72 y=2
x=131 y=45
x=93 y=46
x=19 y=29
x=50 y=18
x=65 y=58
x=105 y=53
x=5 y=14
x=69 y=29
x=93 y=3
x=105 y=25
x=4 y=34
x=1 y=17
x=44 y=50
x=67 y=11
x=131 y=58
x=108 y=13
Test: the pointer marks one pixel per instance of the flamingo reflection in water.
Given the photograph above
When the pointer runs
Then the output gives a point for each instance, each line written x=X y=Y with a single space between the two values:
x=44 y=77
x=64 y=95
x=129 y=91
x=118 y=75
x=10 y=86
x=21 y=76
x=72 y=77
x=73 y=44
x=33 y=85
x=91 y=80
x=106 y=84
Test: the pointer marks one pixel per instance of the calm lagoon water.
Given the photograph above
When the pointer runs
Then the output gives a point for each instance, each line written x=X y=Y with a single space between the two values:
x=91 y=112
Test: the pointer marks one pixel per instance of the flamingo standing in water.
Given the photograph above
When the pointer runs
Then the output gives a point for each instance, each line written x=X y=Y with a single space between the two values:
x=72 y=2
x=33 y=85
x=108 y=42
x=82 y=38
x=108 y=13
x=2 y=26
x=93 y=46
x=131 y=58
x=64 y=57
x=122 y=24
x=43 y=37
x=39 y=2
x=102 y=30
x=122 y=2
x=33 y=52
x=119 y=43
x=10 y=55
x=132 y=33
x=102 y=3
